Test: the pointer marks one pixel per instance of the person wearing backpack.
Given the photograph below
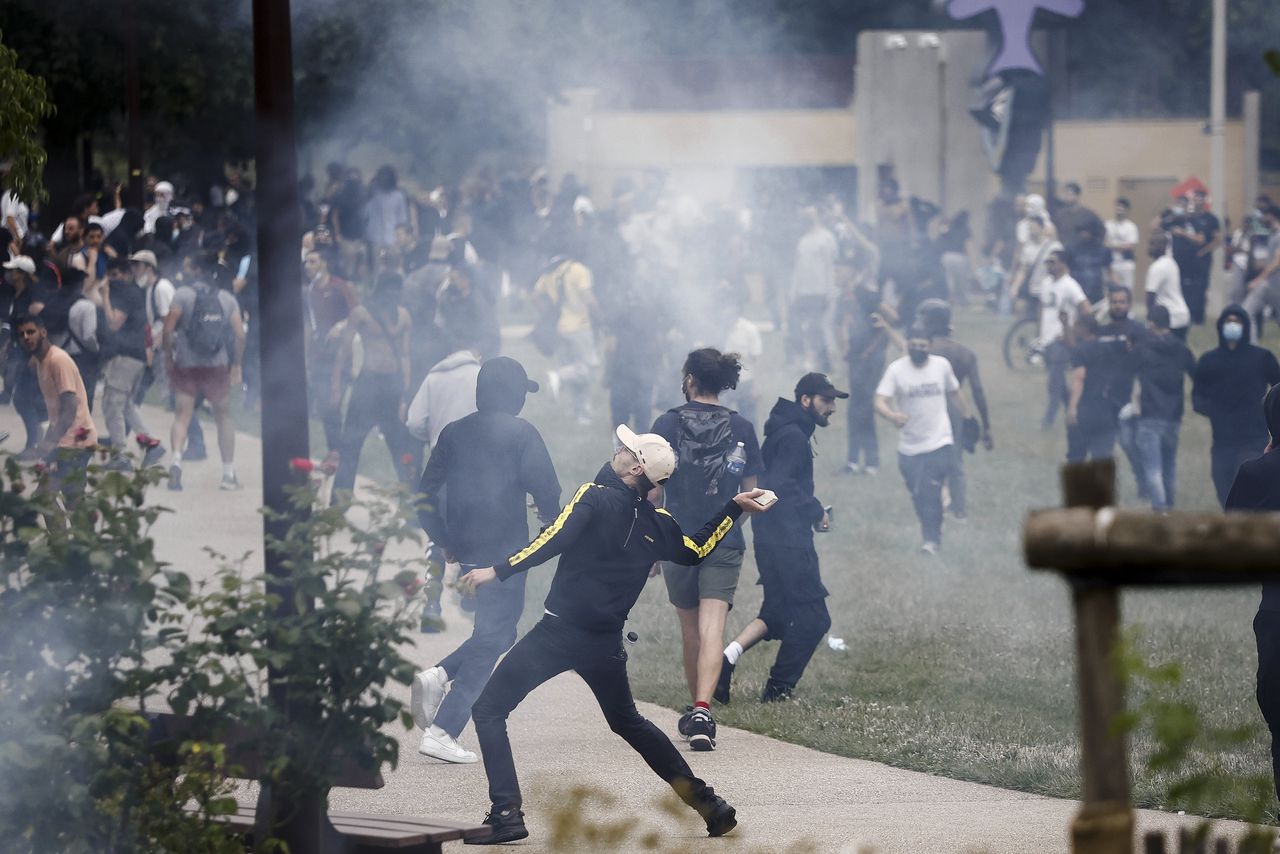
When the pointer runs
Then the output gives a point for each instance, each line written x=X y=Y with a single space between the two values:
x=204 y=342
x=72 y=319
x=717 y=457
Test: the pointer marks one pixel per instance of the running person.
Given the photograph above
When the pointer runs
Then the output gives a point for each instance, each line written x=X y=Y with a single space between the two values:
x=608 y=538
x=706 y=437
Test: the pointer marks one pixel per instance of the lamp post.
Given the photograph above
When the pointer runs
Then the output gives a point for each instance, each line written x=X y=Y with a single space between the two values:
x=1217 y=131
x=284 y=389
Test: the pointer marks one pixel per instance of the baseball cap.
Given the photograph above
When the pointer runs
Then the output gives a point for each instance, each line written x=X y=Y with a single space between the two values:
x=23 y=263
x=146 y=256
x=818 y=384
x=508 y=372
x=654 y=453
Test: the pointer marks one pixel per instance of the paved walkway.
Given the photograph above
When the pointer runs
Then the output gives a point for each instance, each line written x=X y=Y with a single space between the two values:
x=788 y=798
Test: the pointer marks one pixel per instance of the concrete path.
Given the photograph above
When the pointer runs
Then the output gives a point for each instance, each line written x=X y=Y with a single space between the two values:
x=788 y=798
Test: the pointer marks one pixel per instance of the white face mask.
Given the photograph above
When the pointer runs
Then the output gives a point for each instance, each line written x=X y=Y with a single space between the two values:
x=1232 y=330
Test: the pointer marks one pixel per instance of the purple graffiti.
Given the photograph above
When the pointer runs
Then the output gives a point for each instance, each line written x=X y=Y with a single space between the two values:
x=1016 y=17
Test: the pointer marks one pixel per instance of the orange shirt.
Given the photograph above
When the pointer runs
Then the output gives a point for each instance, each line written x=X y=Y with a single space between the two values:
x=58 y=374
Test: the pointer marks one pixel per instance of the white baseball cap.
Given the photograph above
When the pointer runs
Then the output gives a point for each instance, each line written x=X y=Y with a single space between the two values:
x=23 y=263
x=654 y=453
x=146 y=256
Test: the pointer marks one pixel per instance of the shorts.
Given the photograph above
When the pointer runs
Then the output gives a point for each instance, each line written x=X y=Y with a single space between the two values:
x=213 y=383
x=715 y=578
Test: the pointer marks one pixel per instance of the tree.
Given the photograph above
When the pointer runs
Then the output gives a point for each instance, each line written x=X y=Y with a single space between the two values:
x=24 y=105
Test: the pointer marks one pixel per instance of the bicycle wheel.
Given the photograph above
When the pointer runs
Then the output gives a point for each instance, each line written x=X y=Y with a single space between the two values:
x=1020 y=345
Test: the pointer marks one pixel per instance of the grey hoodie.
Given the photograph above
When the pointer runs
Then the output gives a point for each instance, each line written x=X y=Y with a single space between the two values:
x=447 y=393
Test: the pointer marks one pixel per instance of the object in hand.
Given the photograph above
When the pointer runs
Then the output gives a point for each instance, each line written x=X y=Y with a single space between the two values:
x=827 y=516
x=766 y=498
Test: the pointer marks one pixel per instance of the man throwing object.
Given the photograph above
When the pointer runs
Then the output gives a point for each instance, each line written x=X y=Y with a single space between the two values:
x=607 y=537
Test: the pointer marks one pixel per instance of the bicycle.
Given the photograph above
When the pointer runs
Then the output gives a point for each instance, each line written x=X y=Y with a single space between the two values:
x=1022 y=348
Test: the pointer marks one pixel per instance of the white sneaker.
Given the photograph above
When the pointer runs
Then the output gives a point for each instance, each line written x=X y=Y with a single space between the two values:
x=438 y=744
x=428 y=691
x=837 y=644
x=929 y=548
x=553 y=384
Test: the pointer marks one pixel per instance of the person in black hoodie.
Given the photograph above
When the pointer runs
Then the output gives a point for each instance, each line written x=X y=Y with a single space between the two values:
x=472 y=504
x=1257 y=488
x=1163 y=360
x=1229 y=382
x=794 y=609
x=608 y=537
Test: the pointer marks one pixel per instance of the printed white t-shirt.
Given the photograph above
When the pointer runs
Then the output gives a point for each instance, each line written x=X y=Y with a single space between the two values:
x=921 y=395
x=1058 y=295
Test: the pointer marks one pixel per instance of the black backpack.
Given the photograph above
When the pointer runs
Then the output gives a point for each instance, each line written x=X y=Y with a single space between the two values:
x=207 y=328
x=701 y=484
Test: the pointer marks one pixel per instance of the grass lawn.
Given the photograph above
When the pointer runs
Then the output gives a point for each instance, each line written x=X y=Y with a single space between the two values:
x=962 y=664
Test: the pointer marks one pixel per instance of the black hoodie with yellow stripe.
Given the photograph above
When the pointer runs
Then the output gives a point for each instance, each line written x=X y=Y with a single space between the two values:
x=608 y=537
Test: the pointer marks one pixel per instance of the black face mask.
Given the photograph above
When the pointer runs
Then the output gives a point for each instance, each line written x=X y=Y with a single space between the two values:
x=918 y=357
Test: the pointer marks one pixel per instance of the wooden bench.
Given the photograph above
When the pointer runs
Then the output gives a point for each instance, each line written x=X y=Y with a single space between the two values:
x=340 y=832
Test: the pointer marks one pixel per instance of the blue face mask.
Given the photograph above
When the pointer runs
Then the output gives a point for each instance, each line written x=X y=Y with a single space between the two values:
x=1232 y=330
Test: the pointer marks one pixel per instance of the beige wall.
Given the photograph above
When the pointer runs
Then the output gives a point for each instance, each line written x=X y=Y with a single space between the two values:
x=1101 y=156
x=702 y=150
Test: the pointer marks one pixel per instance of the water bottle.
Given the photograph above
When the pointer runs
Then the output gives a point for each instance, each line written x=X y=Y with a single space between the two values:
x=736 y=463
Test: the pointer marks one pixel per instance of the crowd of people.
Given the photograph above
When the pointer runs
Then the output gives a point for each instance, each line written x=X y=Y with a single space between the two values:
x=404 y=289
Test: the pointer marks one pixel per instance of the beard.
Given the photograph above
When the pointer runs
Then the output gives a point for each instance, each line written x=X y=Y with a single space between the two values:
x=818 y=418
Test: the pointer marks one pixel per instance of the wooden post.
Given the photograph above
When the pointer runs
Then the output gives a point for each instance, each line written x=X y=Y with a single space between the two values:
x=1104 y=824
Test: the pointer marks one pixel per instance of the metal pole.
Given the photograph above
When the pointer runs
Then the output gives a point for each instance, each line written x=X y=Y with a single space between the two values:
x=1217 y=131
x=284 y=387
x=1252 y=144
x=134 y=191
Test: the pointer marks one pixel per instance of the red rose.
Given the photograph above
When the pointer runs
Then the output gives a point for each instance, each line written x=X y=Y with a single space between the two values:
x=82 y=434
x=148 y=442
x=40 y=468
x=302 y=464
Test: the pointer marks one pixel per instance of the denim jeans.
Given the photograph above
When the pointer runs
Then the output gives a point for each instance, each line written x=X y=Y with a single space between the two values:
x=1156 y=440
x=498 y=609
x=550 y=648
x=1057 y=358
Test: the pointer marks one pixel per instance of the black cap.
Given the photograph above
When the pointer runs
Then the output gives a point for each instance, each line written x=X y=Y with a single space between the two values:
x=509 y=372
x=818 y=384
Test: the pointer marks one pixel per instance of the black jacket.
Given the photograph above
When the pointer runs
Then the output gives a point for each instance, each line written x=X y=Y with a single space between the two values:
x=1229 y=385
x=472 y=501
x=1163 y=361
x=1257 y=488
x=608 y=537
x=788 y=471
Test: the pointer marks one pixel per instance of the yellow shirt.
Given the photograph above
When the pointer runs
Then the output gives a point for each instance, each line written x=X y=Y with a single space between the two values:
x=570 y=285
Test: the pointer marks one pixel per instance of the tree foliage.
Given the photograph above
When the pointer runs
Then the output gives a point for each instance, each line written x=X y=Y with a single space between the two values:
x=24 y=105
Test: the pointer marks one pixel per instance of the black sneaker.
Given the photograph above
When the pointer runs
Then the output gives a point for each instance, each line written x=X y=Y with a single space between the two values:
x=719 y=816
x=702 y=730
x=775 y=692
x=432 y=621
x=682 y=725
x=506 y=826
x=721 y=694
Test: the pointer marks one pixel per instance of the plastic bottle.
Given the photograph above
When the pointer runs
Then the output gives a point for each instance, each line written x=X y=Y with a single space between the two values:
x=736 y=463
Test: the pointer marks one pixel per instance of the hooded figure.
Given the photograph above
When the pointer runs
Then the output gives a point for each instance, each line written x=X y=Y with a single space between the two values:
x=1257 y=489
x=487 y=462
x=472 y=505
x=1229 y=381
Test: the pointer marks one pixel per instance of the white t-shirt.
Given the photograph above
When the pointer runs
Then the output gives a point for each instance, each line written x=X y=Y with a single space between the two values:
x=1165 y=281
x=1033 y=257
x=1122 y=232
x=1058 y=295
x=159 y=298
x=921 y=395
